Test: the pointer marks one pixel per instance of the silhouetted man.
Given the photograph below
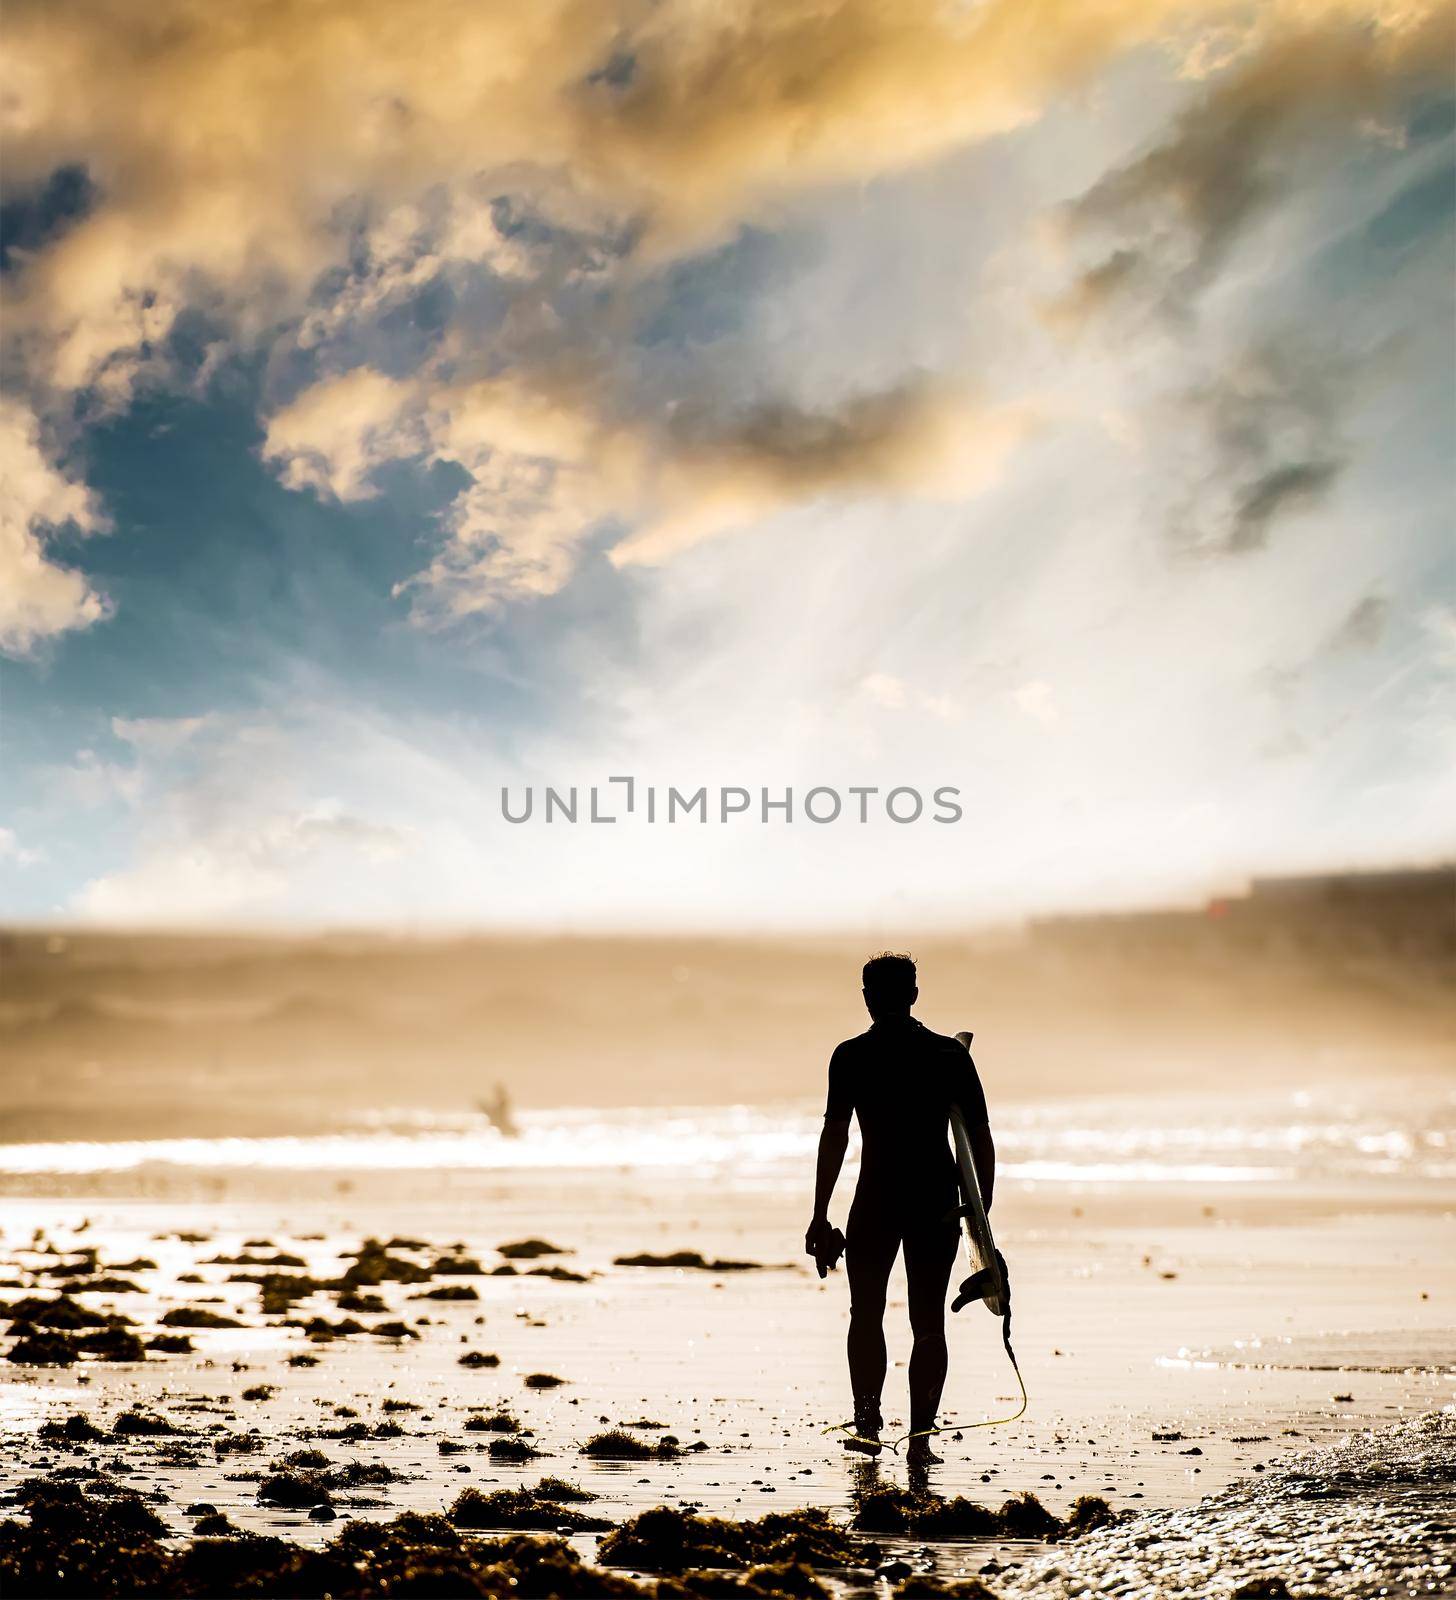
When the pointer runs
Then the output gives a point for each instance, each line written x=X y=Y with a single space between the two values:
x=901 y=1080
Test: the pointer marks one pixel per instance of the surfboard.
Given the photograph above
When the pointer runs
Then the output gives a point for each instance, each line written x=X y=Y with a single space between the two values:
x=985 y=1282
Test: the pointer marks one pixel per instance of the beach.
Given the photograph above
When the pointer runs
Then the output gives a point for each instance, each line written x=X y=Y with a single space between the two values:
x=1199 y=1300
x=612 y=613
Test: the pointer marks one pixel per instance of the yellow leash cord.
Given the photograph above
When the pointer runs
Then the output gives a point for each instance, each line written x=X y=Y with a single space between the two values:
x=989 y=1422
x=959 y=1427
x=858 y=1438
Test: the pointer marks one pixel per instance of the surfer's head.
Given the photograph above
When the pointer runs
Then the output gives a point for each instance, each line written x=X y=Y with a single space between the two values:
x=889 y=984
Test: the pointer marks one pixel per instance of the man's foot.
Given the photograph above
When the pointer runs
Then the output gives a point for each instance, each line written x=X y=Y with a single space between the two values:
x=918 y=1451
x=866 y=1436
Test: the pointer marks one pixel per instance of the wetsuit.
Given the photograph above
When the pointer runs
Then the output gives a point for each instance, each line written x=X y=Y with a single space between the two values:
x=900 y=1080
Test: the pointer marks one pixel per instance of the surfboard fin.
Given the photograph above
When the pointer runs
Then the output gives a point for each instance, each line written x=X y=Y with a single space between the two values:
x=979 y=1286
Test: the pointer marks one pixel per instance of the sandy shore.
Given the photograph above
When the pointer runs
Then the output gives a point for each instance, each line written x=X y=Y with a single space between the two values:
x=1172 y=1344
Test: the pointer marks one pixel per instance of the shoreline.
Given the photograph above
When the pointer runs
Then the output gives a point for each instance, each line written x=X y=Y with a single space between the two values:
x=1352 y=1519
x=1165 y=1358
x=1177 y=1338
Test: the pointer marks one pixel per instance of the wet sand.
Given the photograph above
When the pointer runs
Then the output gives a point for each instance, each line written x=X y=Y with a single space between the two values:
x=1172 y=1343
x=1368 y=1515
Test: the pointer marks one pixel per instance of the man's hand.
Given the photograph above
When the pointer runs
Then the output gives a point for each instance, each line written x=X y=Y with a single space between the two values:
x=825 y=1243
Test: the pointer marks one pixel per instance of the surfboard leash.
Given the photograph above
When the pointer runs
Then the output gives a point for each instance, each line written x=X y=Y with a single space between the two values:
x=893 y=1445
x=988 y=1422
x=851 y=1437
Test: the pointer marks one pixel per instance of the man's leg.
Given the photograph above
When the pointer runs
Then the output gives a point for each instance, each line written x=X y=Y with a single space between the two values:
x=868 y=1257
x=930 y=1252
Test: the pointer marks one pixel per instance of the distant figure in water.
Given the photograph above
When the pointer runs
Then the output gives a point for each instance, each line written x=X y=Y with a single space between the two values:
x=498 y=1112
x=900 y=1080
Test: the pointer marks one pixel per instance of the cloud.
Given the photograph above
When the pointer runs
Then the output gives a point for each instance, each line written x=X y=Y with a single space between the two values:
x=722 y=110
x=269 y=133
x=889 y=693
x=1176 y=213
x=714 y=473
x=333 y=435
x=240 y=815
x=239 y=865
x=1268 y=430
x=1036 y=700
x=15 y=854
x=551 y=457
x=39 y=598
x=486 y=246
x=265 y=136
x=882 y=689
x=1287 y=486
x=1364 y=627
x=1252 y=431
x=303 y=170
x=90 y=783
x=164 y=735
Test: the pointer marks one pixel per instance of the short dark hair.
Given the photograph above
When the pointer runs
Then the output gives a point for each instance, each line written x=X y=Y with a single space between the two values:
x=890 y=974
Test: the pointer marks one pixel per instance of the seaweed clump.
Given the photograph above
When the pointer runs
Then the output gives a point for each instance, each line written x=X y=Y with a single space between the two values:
x=1088 y=1513
x=112 y=1344
x=529 y=1250
x=44 y=1348
x=295 y=1490
x=667 y=1540
x=100 y=1539
x=548 y=1505
x=35 y=1311
x=688 y=1259
x=305 y=1479
x=198 y=1317
x=495 y=1422
x=374 y=1265
x=171 y=1344
x=51 y=1347
x=513 y=1448
x=78 y=1428
x=458 y=1266
x=106 y=1540
x=141 y=1425
x=887 y=1509
x=617 y=1445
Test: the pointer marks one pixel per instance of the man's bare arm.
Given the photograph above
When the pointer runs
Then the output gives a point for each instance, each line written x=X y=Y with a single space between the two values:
x=833 y=1142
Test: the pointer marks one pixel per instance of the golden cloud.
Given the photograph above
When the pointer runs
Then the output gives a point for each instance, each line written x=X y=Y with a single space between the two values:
x=229 y=144
x=547 y=464
x=38 y=598
x=239 y=152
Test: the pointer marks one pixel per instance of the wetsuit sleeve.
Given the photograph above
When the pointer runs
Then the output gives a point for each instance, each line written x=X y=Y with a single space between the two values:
x=839 y=1107
x=969 y=1095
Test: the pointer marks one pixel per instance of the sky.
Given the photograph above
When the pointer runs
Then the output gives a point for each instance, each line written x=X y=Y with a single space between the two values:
x=403 y=403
